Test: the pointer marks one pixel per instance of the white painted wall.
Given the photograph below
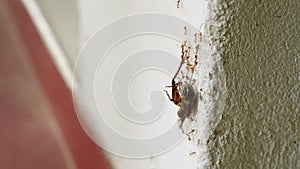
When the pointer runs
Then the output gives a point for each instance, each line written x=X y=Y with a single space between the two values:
x=260 y=124
x=98 y=13
x=67 y=25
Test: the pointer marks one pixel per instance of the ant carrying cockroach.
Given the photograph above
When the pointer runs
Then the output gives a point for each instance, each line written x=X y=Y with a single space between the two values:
x=184 y=94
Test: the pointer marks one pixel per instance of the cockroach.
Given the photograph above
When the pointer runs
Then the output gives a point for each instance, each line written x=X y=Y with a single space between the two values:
x=176 y=98
x=184 y=94
x=189 y=103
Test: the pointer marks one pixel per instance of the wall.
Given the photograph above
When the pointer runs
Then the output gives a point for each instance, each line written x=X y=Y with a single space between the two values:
x=63 y=19
x=259 y=42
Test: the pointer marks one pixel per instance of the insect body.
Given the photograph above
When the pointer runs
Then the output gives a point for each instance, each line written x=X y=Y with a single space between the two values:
x=189 y=103
x=178 y=3
x=184 y=94
x=176 y=98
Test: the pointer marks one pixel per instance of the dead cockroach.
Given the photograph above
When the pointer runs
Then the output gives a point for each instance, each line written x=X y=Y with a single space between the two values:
x=176 y=98
x=184 y=91
x=184 y=94
x=189 y=103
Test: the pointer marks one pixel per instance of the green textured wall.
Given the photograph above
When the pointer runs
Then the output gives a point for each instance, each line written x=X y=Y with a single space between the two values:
x=260 y=50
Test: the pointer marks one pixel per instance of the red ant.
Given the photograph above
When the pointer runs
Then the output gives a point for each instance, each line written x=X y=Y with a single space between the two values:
x=178 y=3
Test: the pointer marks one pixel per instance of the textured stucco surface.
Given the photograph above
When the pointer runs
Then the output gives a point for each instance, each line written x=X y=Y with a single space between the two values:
x=260 y=50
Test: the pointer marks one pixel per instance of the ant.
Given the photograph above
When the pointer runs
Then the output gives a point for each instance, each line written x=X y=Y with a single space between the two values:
x=198 y=142
x=189 y=134
x=185 y=30
x=178 y=3
x=192 y=153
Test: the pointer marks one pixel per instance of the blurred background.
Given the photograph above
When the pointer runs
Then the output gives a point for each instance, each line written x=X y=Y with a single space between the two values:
x=38 y=124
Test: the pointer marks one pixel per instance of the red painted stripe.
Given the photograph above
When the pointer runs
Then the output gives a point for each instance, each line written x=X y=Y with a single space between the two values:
x=85 y=152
